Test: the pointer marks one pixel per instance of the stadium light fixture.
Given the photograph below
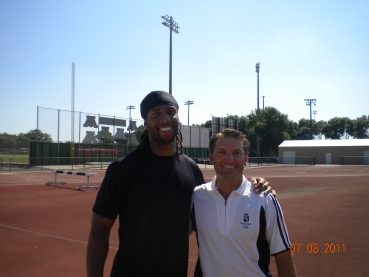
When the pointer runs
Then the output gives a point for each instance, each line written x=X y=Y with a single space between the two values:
x=189 y=102
x=309 y=102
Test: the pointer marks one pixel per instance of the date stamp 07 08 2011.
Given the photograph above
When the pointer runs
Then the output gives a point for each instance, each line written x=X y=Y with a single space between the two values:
x=313 y=248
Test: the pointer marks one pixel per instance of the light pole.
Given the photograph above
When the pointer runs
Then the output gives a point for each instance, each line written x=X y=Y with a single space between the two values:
x=308 y=103
x=257 y=68
x=189 y=102
x=263 y=102
x=314 y=113
x=173 y=26
x=130 y=107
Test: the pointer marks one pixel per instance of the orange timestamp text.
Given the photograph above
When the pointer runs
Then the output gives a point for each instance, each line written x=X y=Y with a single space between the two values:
x=313 y=248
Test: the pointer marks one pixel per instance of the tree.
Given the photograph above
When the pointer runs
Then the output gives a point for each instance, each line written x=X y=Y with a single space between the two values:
x=303 y=129
x=251 y=132
x=38 y=135
x=317 y=128
x=292 y=130
x=272 y=130
x=140 y=129
x=7 y=140
x=22 y=139
x=272 y=127
x=359 y=127
x=336 y=128
x=105 y=140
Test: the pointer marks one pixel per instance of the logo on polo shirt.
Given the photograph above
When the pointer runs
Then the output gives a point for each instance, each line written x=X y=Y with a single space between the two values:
x=245 y=223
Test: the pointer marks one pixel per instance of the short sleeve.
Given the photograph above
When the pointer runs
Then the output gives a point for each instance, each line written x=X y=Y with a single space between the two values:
x=199 y=177
x=111 y=195
x=276 y=229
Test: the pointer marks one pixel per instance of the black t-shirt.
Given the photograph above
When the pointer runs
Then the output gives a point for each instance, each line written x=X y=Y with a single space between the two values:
x=153 y=202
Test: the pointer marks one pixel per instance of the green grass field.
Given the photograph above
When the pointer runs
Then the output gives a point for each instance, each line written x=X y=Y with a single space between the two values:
x=16 y=158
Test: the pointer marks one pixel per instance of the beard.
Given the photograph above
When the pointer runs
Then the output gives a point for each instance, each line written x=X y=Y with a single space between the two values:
x=154 y=134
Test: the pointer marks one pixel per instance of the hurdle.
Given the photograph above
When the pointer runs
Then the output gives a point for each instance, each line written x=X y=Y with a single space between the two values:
x=73 y=173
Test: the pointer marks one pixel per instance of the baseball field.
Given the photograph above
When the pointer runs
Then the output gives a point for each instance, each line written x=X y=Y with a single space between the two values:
x=44 y=229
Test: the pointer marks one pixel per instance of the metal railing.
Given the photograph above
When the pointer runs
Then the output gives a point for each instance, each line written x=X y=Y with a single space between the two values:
x=253 y=161
x=99 y=163
x=354 y=160
x=54 y=163
x=11 y=164
x=303 y=160
x=262 y=161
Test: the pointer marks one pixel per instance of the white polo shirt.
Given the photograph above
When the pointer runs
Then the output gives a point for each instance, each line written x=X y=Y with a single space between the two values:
x=236 y=237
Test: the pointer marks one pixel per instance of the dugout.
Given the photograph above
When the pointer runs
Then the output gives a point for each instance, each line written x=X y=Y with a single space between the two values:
x=334 y=151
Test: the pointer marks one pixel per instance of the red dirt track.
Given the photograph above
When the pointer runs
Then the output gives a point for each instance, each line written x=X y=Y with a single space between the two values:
x=44 y=229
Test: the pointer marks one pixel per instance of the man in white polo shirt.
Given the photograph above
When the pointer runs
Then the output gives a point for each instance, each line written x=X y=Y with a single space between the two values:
x=237 y=230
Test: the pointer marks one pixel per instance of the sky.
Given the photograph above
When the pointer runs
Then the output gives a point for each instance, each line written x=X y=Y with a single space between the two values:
x=307 y=50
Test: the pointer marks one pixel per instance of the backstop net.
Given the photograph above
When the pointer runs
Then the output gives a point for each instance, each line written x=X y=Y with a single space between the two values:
x=97 y=136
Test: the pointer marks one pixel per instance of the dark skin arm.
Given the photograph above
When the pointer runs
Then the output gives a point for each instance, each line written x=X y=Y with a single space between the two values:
x=98 y=245
x=285 y=264
x=260 y=184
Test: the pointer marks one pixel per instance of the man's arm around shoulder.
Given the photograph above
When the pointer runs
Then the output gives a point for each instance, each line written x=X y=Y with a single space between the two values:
x=98 y=245
x=285 y=264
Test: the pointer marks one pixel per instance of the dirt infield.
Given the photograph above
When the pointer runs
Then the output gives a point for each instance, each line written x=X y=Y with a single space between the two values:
x=44 y=229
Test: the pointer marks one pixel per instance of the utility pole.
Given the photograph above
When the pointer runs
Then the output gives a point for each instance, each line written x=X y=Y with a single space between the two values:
x=72 y=115
x=189 y=102
x=257 y=69
x=309 y=102
x=173 y=26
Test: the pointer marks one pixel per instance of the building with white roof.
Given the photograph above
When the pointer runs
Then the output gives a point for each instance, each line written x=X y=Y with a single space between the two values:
x=334 y=151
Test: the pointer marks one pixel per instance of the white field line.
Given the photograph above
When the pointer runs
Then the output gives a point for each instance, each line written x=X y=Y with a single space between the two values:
x=47 y=235
x=43 y=183
x=56 y=237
